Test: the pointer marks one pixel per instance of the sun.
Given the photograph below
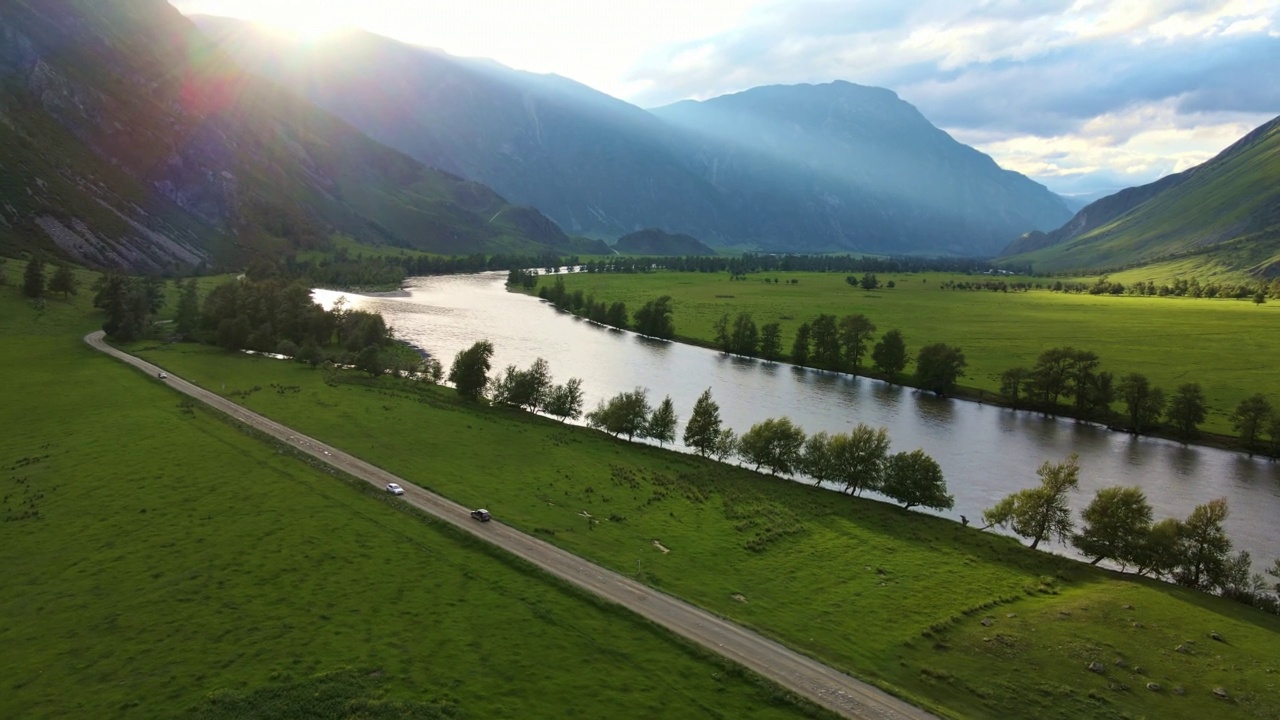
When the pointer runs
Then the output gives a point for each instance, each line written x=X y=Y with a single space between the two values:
x=305 y=19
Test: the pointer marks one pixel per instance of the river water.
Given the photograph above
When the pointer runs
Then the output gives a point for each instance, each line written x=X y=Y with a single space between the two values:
x=985 y=452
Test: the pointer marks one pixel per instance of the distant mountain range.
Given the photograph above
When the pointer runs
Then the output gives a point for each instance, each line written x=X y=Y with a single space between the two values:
x=657 y=242
x=1225 y=212
x=129 y=140
x=835 y=167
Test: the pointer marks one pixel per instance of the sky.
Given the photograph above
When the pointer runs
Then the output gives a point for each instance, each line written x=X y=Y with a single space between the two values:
x=1084 y=96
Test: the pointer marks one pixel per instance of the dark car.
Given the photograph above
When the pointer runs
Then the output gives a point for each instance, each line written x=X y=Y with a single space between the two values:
x=482 y=515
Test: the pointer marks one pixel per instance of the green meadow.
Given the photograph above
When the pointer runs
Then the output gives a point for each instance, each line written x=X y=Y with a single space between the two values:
x=1228 y=346
x=159 y=562
x=966 y=623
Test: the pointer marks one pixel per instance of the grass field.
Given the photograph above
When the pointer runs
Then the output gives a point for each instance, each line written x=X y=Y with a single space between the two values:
x=158 y=562
x=1228 y=346
x=962 y=621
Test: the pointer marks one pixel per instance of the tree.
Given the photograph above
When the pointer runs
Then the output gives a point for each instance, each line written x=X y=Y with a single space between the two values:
x=800 y=347
x=617 y=315
x=726 y=444
x=858 y=458
x=64 y=281
x=1204 y=546
x=309 y=352
x=914 y=479
x=1012 y=382
x=938 y=366
x=1040 y=513
x=370 y=360
x=1142 y=402
x=855 y=335
x=187 y=320
x=1249 y=417
x=565 y=401
x=525 y=389
x=470 y=370
x=869 y=282
x=815 y=460
x=890 y=354
x=826 y=342
x=1050 y=374
x=626 y=413
x=745 y=337
x=1187 y=410
x=662 y=424
x=33 y=278
x=1081 y=379
x=703 y=431
x=775 y=443
x=1115 y=524
x=771 y=342
x=654 y=319
x=1274 y=571
x=1158 y=552
x=724 y=340
x=1273 y=432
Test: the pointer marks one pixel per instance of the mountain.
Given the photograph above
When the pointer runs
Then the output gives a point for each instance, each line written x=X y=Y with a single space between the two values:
x=657 y=242
x=798 y=168
x=1225 y=211
x=129 y=140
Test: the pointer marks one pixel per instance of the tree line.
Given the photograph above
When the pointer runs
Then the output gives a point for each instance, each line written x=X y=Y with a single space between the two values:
x=653 y=319
x=1118 y=526
x=771 y=262
x=1073 y=375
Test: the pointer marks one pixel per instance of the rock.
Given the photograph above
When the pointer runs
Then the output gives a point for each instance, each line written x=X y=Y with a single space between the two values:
x=1064 y=613
x=1179 y=690
x=1182 y=649
x=1139 y=625
x=1216 y=636
x=1012 y=615
x=1139 y=670
x=1220 y=693
x=1120 y=663
x=1128 y=607
x=1097 y=667
x=1153 y=687
x=987 y=622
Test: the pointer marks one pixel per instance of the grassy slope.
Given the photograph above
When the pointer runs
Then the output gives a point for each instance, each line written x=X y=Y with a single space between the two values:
x=894 y=596
x=174 y=555
x=1233 y=196
x=1228 y=346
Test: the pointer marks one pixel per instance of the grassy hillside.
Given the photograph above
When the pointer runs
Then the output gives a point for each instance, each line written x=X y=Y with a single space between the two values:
x=1226 y=211
x=962 y=621
x=154 y=555
x=1226 y=345
x=131 y=141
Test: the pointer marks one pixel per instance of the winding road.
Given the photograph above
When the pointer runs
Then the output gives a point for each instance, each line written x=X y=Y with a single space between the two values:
x=802 y=675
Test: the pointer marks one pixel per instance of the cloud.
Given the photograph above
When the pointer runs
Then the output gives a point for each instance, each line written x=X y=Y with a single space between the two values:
x=1132 y=89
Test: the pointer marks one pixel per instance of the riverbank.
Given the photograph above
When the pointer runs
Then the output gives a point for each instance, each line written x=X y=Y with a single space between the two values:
x=1225 y=345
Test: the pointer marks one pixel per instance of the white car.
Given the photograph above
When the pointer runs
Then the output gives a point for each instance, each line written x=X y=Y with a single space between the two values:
x=395 y=489
x=163 y=375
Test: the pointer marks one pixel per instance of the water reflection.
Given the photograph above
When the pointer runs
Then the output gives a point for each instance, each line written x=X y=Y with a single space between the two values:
x=985 y=451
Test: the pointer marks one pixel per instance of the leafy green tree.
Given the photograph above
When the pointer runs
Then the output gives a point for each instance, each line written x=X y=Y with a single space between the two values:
x=826 y=342
x=1274 y=571
x=890 y=354
x=1116 y=523
x=776 y=443
x=745 y=337
x=914 y=479
x=869 y=282
x=565 y=401
x=662 y=423
x=233 y=333
x=1142 y=401
x=724 y=338
x=726 y=445
x=858 y=458
x=1040 y=513
x=310 y=353
x=617 y=315
x=187 y=320
x=1051 y=374
x=938 y=366
x=702 y=433
x=1273 y=432
x=1012 y=383
x=1159 y=551
x=1081 y=378
x=626 y=413
x=64 y=281
x=431 y=370
x=33 y=278
x=1187 y=410
x=1249 y=417
x=470 y=370
x=370 y=360
x=855 y=338
x=1204 y=546
x=525 y=389
x=654 y=319
x=800 y=346
x=816 y=459
x=1103 y=395
x=771 y=342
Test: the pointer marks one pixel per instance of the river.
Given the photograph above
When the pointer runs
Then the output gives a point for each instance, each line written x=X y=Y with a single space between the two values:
x=985 y=451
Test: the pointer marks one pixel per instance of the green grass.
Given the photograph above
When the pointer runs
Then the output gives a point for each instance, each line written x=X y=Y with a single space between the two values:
x=899 y=598
x=154 y=554
x=1228 y=346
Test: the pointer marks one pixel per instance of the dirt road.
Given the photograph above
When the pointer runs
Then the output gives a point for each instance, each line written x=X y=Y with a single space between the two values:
x=802 y=675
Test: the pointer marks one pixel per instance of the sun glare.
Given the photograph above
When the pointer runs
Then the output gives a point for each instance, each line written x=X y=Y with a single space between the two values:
x=304 y=20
